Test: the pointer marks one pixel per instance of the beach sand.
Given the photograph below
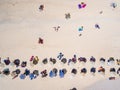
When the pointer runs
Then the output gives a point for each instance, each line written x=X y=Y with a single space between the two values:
x=21 y=24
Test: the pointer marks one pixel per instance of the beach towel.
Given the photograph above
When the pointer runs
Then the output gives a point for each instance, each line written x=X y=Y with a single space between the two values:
x=7 y=62
x=27 y=72
x=6 y=71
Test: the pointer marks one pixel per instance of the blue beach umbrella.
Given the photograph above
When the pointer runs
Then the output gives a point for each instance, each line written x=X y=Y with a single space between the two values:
x=61 y=73
x=51 y=74
x=31 y=76
x=22 y=76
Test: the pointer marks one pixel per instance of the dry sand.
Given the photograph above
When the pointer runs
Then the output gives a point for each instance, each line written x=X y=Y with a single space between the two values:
x=21 y=24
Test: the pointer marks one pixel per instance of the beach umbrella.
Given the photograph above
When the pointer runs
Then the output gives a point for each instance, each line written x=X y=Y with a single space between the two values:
x=111 y=59
x=92 y=59
x=22 y=76
x=17 y=71
x=45 y=61
x=112 y=70
x=118 y=71
x=53 y=60
x=93 y=70
x=74 y=71
x=36 y=72
x=101 y=69
x=16 y=62
x=6 y=71
x=118 y=61
x=51 y=74
x=27 y=72
x=35 y=62
x=31 y=76
x=64 y=71
x=55 y=70
x=102 y=59
x=7 y=62
x=82 y=59
x=64 y=60
x=61 y=74
x=24 y=64
x=84 y=70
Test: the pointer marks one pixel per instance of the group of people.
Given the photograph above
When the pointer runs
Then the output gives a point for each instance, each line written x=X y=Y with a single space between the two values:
x=34 y=60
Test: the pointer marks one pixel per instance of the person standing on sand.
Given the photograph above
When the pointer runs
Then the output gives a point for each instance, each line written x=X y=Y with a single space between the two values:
x=67 y=16
x=56 y=28
x=97 y=26
x=41 y=7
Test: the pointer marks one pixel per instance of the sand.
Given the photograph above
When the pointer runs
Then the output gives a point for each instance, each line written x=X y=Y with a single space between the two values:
x=21 y=24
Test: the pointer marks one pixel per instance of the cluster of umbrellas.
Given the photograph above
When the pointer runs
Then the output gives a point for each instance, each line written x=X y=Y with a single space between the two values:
x=55 y=72
x=34 y=60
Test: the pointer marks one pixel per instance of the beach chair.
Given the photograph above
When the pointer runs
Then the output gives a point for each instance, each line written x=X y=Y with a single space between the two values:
x=6 y=71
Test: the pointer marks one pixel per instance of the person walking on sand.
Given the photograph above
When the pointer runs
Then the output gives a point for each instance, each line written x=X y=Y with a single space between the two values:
x=97 y=26
x=40 y=40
